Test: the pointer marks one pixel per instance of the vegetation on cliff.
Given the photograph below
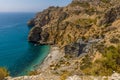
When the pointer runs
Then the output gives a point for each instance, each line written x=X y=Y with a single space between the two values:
x=3 y=73
x=106 y=65
x=89 y=29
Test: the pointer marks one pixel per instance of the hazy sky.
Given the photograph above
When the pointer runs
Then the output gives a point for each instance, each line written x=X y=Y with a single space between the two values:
x=29 y=5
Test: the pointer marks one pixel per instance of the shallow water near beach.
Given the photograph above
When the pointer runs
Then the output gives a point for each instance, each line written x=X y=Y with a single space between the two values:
x=16 y=53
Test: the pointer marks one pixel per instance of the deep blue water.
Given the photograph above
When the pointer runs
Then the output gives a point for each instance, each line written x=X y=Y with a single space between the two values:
x=16 y=53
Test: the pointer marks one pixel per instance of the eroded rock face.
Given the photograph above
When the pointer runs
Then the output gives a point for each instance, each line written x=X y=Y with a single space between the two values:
x=72 y=49
x=34 y=35
x=64 y=25
x=43 y=18
x=62 y=16
x=111 y=15
x=44 y=36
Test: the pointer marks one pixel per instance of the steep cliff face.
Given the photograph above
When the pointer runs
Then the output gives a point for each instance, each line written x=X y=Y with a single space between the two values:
x=85 y=28
x=87 y=33
x=64 y=25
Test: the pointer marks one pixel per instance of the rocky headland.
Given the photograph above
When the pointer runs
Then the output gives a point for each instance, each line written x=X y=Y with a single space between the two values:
x=84 y=38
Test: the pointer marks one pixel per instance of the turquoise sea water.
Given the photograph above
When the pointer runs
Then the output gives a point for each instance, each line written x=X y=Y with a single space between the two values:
x=16 y=53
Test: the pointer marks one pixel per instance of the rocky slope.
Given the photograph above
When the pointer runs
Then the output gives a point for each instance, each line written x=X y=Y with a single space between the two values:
x=88 y=34
x=80 y=28
x=80 y=19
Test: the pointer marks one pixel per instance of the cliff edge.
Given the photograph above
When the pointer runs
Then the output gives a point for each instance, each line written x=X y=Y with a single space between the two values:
x=88 y=31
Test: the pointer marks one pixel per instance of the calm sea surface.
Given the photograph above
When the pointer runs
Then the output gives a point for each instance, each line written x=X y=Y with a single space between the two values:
x=16 y=53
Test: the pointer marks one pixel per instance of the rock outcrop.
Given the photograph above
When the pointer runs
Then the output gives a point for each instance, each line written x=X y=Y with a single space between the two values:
x=64 y=25
x=87 y=36
x=111 y=15
x=95 y=22
x=34 y=35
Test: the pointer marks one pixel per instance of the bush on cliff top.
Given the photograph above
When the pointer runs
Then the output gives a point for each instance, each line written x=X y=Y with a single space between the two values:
x=104 y=66
x=3 y=73
x=82 y=4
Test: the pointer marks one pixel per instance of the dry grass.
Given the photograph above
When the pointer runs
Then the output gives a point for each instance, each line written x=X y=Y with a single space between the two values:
x=3 y=73
x=33 y=73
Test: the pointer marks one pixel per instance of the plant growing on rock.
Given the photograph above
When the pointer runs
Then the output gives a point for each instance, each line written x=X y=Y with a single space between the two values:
x=105 y=65
x=3 y=73
x=114 y=40
x=33 y=73
x=64 y=75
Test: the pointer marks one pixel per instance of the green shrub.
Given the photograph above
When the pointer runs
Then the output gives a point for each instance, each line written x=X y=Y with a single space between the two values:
x=115 y=40
x=3 y=73
x=86 y=62
x=64 y=75
x=86 y=23
x=105 y=1
x=82 y=4
x=91 y=11
x=104 y=66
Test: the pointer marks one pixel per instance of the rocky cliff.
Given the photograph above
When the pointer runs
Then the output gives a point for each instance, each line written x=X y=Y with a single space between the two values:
x=80 y=19
x=87 y=30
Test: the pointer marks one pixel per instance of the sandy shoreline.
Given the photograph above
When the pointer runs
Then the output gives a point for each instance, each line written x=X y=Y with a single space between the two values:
x=54 y=55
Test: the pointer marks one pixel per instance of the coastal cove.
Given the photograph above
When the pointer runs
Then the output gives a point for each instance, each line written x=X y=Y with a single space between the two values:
x=16 y=53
